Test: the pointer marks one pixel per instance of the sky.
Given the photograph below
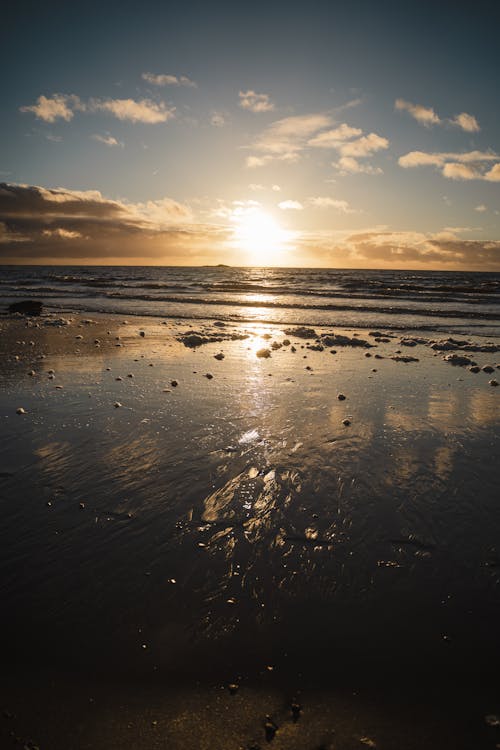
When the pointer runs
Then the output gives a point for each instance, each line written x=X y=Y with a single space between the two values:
x=340 y=134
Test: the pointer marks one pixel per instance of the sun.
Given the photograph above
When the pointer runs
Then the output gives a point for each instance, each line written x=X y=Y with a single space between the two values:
x=259 y=236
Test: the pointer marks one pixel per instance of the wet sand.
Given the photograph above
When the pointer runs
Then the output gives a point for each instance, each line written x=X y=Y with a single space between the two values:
x=166 y=534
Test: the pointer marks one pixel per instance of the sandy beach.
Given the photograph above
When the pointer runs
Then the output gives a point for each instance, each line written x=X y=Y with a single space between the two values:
x=221 y=535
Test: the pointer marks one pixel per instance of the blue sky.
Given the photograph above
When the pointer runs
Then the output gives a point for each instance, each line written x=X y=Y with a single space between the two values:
x=339 y=134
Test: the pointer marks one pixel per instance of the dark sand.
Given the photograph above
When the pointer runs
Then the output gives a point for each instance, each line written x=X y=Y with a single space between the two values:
x=235 y=530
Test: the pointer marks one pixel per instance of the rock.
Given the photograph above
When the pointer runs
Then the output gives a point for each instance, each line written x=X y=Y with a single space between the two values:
x=219 y=356
x=341 y=397
x=459 y=360
x=286 y=342
x=488 y=368
x=296 y=709
x=219 y=324
x=142 y=334
x=263 y=353
x=346 y=422
x=301 y=332
x=405 y=359
x=193 y=340
x=20 y=410
x=270 y=728
x=32 y=373
x=208 y=375
x=474 y=368
x=233 y=688
x=493 y=382
x=27 y=307
x=332 y=339
x=117 y=404
x=174 y=383
x=276 y=345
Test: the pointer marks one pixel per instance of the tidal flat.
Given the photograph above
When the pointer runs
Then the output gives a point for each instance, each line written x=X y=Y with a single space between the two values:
x=206 y=548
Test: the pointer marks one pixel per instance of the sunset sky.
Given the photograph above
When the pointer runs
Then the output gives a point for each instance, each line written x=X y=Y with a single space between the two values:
x=360 y=134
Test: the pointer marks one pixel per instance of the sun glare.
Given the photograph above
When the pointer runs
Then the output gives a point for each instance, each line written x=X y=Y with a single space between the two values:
x=259 y=236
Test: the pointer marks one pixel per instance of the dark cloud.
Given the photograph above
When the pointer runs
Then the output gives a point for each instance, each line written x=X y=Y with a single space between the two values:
x=56 y=224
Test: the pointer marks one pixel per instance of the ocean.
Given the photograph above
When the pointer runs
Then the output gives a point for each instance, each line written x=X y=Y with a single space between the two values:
x=445 y=301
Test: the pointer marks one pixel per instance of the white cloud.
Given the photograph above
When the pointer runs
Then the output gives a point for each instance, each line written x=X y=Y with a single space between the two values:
x=349 y=165
x=255 y=102
x=494 y=174
x=456 y=171
x=466 y=122
x=108 y=140
x=255 y=187
x=331 y=138
x=469 y=165
x=218 y=119
x=145 y=110
x=364 y=146
x=327 y=202
x=481 y=208
x=50 y=109
x=276 y=188
x=290 y=206
x=286 y=139
x=424 y=115
x=64 y=234
x=164 y=79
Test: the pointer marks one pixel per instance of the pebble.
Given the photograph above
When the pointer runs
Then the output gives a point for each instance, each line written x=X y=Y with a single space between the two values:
x=488 y=368
x=346 y=422
x=32 y=373
x=130 y=375
x=493 y=382
x=263 y=353
x=20 y=410
x=79 y=336
x=118 y=378
x=233 y=688
x=142 y=333
x=208 y=375
x=174 y=383
x=270 y=728
x=341 y=397
x=219 y=356
x=117 y=404
x=474 y=368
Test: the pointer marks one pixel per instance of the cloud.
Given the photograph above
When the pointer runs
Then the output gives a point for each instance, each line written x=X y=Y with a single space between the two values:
x=424 y=115
x=469 y=165
x=456 y=171
x=332 y=138
x=286 y=139
x=386 y=249
x=108 y=140
x=255 y=102
x=290 y=206
x=481 y=208
x=466 y=122
x=60 y=224
x=348 y=165
x=164 y=79
x=218 y=119
x=494 y=174
x=327 y=202
x=364 y=146
x=57 y=107
x=145 y=110
x=63 y=106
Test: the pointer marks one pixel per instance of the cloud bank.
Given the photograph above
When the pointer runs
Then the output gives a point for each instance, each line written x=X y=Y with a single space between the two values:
x=59 y=225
